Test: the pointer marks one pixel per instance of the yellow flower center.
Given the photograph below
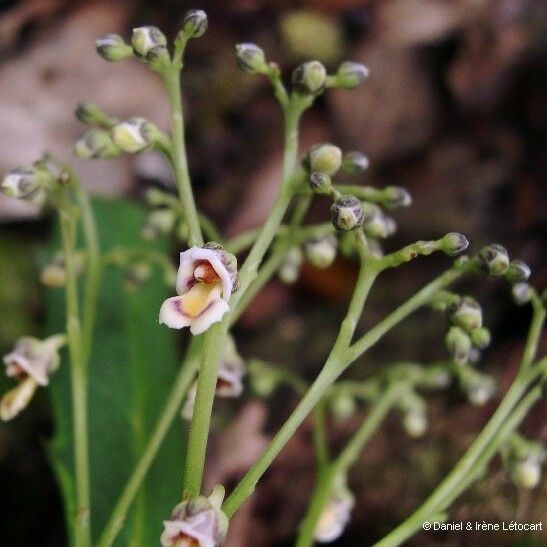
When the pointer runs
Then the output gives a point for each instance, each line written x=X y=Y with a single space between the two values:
x=199 y=297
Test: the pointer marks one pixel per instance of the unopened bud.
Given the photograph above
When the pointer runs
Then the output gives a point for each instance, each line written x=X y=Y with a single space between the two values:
x=522 y=293
x=466 y=314
x=134 y=135
x=479 y=388
x=324 y=158
x=350 y=75
x=458 y=344
x=355 y=162
x=526 y=473
x=144 y=39
x=90 y=113
x=343 y=406
x=309 y=78
x=160 y=222
x=320 y=183
x=415 y=423
x=375 y=223
x=195 y=23
x=321 y=251
x=347 y=213
x=454 y=243
x=290 y=270
x=25 y=182
x=112 y=47
x=495 y=259
x=396 y=197
x=136 y=275
x=96 y=144
x=518 y=271
x=251 y=58
x=480 y=338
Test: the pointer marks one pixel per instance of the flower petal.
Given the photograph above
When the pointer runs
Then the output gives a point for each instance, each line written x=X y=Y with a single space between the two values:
x=171 y=314
x=213 y=314
x=15 y=400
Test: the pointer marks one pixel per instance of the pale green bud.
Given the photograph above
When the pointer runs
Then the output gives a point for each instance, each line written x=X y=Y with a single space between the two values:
x=466 y=314
x=495 y=259
x=395 y=197
x=481 y=337
x=251 y=58
x=458 y=344
x=522 y=293
x=160 y=222
x=321 y=251
x=320 y=183
x=195 y=23
x=343 y=406
x=96 y=144
x=347 y=213
x=134 y=135
x=112 y=47
x=415 y=422
x=309 y=78
x=290 y=270
x=526 y=473
x=355 y=162
x=375 y=223
x=518 y=271
x=26 y=182
x=136 y=275
x=324 y=158
x=144 y=39
x=350 y=75
x=479 y=388
x=454 y=243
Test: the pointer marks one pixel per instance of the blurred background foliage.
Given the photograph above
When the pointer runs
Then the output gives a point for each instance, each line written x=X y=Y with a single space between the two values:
x=454 y=111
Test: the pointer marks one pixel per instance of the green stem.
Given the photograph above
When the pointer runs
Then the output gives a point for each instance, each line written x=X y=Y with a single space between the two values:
x=78 y=377
x=171 y=77
x=320 y=435
x=534 y=334
x=172 y=408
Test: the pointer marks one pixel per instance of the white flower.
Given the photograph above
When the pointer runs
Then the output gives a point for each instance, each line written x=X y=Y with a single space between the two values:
x=198 y=522
x=205 y=282
x=336 y=513
x=32 y=361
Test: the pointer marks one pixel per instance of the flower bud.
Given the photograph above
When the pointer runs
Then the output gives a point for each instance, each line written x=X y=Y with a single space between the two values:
x=522 y=293
x=25 y=182
x=458 y=344
x=415 y=422
x=96 y=144
x=320 y=183
x=466 y=314
x=347 y=213
x=454 y=243
x=113 y=48
x=134 y=135
x=518 y=271
x=54 y=274
x=146 y=38
x=309 y=78
x=375 y=223
x=354 y=162
x=526 y=473
x=479 y=388
x=480 y=338
x=136 y=275
x=324 y=158
x=251 y=58
x=494 y=259
x=321 y=251
x=350 y=75
x=160 y=222
x=89 y=113
x=263 y=379
x=289 y=271
x=395 y=197
x=195 y=23
x=343 y=406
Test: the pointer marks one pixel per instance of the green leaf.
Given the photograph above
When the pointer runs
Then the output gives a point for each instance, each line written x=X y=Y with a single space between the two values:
x=133 y=363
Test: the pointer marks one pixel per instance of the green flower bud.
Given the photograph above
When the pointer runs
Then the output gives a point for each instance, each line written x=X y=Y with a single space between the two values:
x=324 y=158
x=321 y=251
x=195 y=23
x=350 y=75
x=160 y=222
x=251 y=58
x=88 y=113
x=347 y=213
x=458 y=344
x=479 y=388
x=27 y=183
x=53 y=275
x=309 y=78
x=415 y=423
x=354 y=162
x=395 y=197
x=375 y=223
x=466 y=314
x=136 y=275
x=454 y=244
x=112 y=47
x=320 y=183
x=146 y=38
x=343 y=407
x=526 y=473
x=134 y=135
x=96 y=144
x=494 y=259
x=518 y=271
x=290 y=270
x=522 y=293
x=480 y=338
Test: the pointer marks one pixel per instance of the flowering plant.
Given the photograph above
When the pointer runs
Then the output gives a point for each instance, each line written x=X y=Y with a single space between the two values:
x=213 y=291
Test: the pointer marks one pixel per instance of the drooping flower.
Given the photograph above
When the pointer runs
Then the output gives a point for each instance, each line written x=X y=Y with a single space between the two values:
x=336 y=514
x=198 y=522
x=31 y=362
x=229 y=382
x=206 y=278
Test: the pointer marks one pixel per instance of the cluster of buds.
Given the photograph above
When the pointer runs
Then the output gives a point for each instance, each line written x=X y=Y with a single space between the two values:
x=495 y=261
x=523 y=459
x=30 y=183
x=206 y=278
x=230 y=378
x=336 y=513
x=31 y=363
x=53 y=275
x=197 y=522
